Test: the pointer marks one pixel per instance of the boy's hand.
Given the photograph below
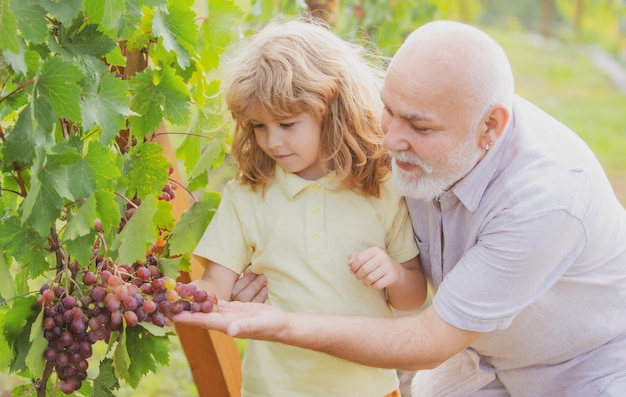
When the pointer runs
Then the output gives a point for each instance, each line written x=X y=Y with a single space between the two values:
x=374 y=268
x=250 y=287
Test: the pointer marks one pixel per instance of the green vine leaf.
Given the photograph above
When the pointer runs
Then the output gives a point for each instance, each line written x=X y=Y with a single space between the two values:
x=163 y=218
x=107 y=209
x=215 y=31
x=148 y=170
x=121 y=359
x=6 y=353
x=65 y=11
x=8 y=29
x=18 y=319
x=191 y=225
x=176 y=27
x=104 y=164
x=90 y=41
x=7 y=284
x=81 y=224
x=106 y=14
x=138 y=234
x=145 y=351
x=57 y=83
x=105 y=382
x=157 y=96
x=31 y=19
x=107 y=106
x=170 y=267
x=43 y=204
x=24 y=244
x=34 y=358
x=16 y=60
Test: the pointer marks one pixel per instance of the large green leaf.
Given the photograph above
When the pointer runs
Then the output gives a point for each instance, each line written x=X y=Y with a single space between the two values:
x=176 y=27
x=8 y=28
x=106 y=381
x=31 y=19
x=106 y=14
x=34 y=358
x=192 y=223
x=17 y=325
x=138 y=234
x=65 y=11
x=81 y=223
x=107 y=209
x=90 y=41
x=43 y=204
x=145 y=351
x=107 y=106
x=7 y=283
x=24 y=244
x=57 y=83
x=158 y=95
x=104 y=164
x=215 y=31
x=148 y=170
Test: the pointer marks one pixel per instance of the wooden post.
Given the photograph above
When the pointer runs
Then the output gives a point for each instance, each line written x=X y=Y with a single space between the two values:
x=213 y=356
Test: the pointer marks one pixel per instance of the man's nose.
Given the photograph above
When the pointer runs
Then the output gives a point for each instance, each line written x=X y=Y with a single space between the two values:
x=394 y=136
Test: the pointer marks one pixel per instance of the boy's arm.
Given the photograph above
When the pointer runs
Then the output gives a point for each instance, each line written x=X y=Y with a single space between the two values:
x=410 y=290
x=216 y=278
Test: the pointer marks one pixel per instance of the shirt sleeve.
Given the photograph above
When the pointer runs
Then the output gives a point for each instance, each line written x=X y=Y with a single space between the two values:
x=226 y=230
x=515 y=260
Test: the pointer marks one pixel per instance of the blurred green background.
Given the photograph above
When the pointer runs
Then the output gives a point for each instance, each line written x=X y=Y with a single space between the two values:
x=569 y=57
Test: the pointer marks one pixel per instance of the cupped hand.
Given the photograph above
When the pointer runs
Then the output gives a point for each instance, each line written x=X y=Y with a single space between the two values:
x=248 y=320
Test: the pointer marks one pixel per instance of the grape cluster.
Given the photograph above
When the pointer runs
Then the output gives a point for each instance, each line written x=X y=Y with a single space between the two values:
x=168 y=192
x=113 y=296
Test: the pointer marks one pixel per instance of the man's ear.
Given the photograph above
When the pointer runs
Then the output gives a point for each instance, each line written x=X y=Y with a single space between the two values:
x=494 y=123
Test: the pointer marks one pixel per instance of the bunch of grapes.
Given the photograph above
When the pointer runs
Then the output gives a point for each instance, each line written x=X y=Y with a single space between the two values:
x=114 y=296
x=168 y=192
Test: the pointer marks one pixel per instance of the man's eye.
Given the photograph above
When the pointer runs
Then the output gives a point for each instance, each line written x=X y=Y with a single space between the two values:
x=421 y=130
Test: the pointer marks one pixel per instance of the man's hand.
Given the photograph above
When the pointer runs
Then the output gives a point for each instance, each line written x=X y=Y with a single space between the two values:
x=250 y=287
x=249 y=320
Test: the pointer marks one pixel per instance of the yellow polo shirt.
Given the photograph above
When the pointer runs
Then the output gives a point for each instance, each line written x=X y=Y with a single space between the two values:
x=299 y=235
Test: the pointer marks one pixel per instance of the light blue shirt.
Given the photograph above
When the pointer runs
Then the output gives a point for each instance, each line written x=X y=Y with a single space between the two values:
x=530 y=247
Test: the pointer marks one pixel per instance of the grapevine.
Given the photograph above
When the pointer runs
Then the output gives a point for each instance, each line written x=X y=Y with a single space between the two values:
x=109 y=299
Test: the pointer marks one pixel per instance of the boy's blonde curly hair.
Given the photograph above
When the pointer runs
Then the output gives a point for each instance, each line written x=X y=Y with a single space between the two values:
x=300 y=65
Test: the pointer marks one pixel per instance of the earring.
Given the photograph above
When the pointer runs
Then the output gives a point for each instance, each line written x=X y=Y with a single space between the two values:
x=488 y=146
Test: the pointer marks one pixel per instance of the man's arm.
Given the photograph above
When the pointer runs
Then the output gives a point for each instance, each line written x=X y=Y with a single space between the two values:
x=411 y=343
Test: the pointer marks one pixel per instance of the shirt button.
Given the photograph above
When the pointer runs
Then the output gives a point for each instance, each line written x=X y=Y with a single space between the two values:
x=316 y=235
x=315 y=188
x=314 y=210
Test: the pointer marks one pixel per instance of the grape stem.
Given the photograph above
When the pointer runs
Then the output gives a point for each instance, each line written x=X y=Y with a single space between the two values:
x=189 y=192
x=127 y=200
x=40 y=384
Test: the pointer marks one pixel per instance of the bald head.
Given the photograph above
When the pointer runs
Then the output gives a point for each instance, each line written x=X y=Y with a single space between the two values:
x=460 y=58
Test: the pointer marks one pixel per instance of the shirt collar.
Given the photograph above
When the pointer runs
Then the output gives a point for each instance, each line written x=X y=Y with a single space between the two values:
x=291 y=184
x=471 y=188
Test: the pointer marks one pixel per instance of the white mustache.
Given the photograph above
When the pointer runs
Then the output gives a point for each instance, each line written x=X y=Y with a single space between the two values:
x=411 y=158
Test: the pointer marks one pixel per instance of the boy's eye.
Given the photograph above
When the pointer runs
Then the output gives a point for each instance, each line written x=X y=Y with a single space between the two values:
x=257 y=126
x=287 y=125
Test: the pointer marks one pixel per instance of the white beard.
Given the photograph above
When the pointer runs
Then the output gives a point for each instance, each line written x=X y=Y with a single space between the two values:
x=439 y=177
